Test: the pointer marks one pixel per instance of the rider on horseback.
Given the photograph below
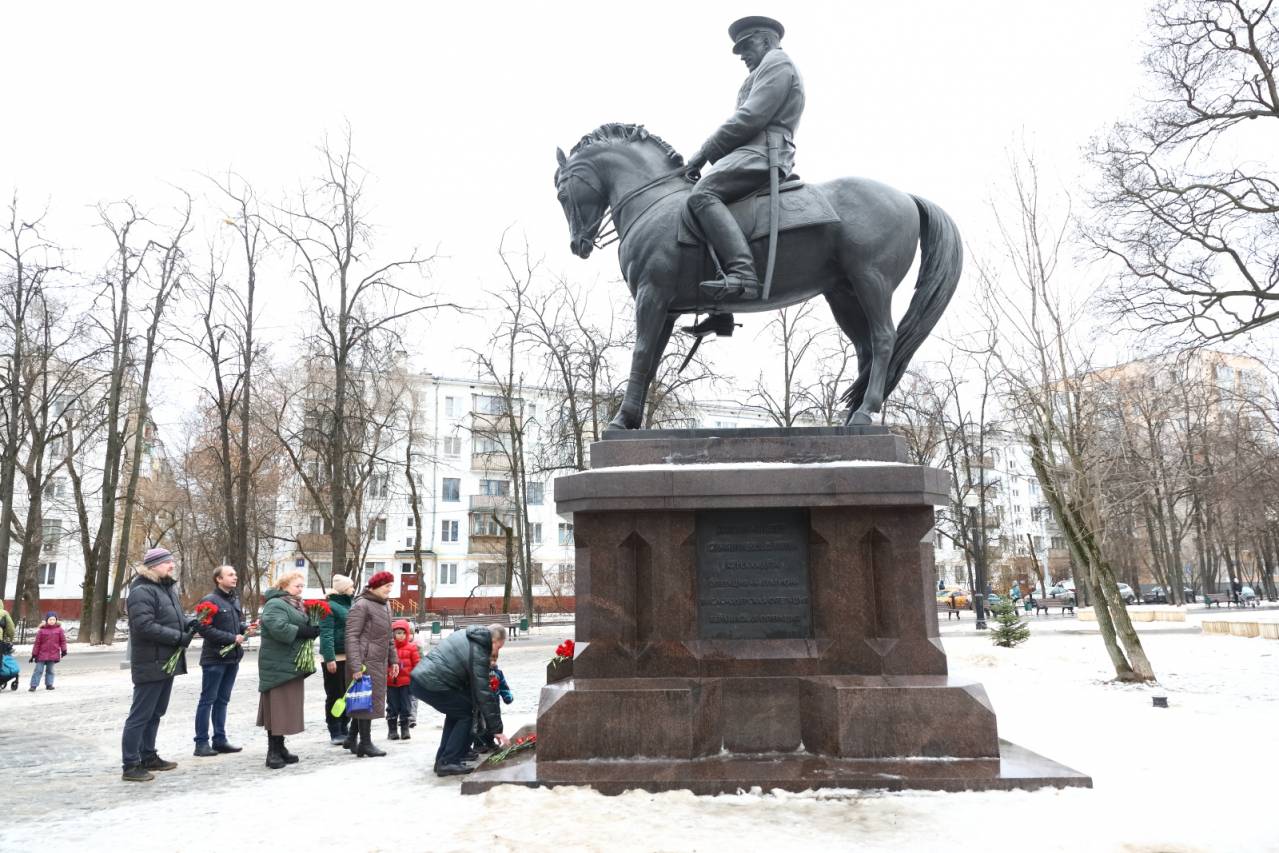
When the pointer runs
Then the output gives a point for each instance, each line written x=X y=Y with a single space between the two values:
x=757 y=137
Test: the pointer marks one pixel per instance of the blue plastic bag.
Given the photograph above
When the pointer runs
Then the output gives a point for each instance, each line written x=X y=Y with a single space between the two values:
x=8 y=668
x=359 y=696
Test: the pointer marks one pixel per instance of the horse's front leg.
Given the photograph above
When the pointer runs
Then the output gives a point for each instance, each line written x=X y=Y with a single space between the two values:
x=653 y=325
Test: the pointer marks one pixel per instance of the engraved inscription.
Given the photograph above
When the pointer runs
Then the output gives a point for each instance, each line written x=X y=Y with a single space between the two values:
x=752 y=574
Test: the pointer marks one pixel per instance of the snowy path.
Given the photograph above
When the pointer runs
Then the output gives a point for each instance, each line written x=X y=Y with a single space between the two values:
x=1157 y=787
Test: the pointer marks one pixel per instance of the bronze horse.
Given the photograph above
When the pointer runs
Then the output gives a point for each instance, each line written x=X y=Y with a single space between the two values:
x=855 y=263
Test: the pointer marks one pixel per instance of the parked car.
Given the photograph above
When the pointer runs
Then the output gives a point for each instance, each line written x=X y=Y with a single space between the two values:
x=961 y=597
x=1157 y=595
x=1126 y=593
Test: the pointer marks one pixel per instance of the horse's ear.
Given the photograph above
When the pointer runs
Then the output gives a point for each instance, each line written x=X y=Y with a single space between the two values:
x=559 y=155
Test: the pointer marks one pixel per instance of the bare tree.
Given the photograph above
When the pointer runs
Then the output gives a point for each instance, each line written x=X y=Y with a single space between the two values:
x=357 y=304
x=1189 y=216
x=787 y=399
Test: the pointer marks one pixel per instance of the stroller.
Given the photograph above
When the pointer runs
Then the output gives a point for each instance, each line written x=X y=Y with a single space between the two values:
x=9 y=669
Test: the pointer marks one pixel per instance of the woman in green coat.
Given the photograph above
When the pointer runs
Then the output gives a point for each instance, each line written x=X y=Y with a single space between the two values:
x=284 y=629
x=333 y=650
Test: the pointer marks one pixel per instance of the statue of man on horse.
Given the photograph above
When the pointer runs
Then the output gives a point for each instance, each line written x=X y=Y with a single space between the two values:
x=851 y=240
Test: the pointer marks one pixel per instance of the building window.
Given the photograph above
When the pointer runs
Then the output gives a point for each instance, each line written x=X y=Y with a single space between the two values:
x=46 y=574
x=452 y=491
x=371 y=568
x=495 y=488
x=321 y=574
x=566 y=534
x=379 y=530
x=318 y=526
x=563 y=577
x=50 y=534
x=492 y=574
x=1058 y=543
x=535 y=532
x=55 y=448
x=452 y=445
x=450 y=407
x=406 y=569
x=448 y=531
x=536 y=493
x=448 y=573
x=487 y=444
x=484 y=524
x=486 y=404
x=410 y=522
x=55 y=488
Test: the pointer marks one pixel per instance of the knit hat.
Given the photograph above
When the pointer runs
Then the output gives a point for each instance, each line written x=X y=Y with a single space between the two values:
x=380 y=579
x=50 y=615
x=156 y=556
x=342 y=585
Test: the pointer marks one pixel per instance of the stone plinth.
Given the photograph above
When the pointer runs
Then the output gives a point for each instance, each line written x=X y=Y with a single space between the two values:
x=756 y=607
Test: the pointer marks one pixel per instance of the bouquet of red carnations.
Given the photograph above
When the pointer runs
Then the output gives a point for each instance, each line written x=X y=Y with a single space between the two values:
x=229 y=647
x=317 y=610
x=518 y=745
x=563 y=652
x=204 y=613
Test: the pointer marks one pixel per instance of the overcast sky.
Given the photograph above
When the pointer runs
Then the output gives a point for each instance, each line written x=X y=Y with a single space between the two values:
x=457 y=110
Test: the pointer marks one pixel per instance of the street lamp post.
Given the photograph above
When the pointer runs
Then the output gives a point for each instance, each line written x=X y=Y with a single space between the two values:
x=979 y=565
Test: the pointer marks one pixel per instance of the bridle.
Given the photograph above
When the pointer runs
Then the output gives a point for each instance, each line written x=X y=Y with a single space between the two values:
x=607 y=234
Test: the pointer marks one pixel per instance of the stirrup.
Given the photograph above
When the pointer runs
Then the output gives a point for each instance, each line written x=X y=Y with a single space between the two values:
x=714 y=324
x=732 y=285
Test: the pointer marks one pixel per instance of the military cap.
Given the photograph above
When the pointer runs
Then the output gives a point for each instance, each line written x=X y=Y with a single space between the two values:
x=745 y=27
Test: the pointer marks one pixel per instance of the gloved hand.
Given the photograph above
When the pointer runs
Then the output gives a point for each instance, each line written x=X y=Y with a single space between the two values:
x=187 y=636
x=192 y=625
x=64 y=652
x=308 y=632
x=33 y=659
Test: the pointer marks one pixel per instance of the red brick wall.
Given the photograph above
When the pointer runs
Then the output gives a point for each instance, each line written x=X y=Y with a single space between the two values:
x=66 y=608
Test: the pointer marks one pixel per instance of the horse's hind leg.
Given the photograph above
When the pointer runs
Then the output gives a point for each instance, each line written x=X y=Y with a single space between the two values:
x=848 y=315
x=874 y=294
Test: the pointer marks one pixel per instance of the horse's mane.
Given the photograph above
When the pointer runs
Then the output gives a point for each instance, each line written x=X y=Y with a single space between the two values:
x=615 y=132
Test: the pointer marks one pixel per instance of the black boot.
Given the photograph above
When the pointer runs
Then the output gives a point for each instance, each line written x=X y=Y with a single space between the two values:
x=404 y=728
x=734 y=252
x=335 y=732
x=274 y=743
x=352 y=731
x=289 y=758
x=392 y=733
x=366 y=749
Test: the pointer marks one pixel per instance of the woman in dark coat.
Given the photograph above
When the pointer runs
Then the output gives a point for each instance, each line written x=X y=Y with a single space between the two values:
x=333 y=650
x=370 y=647
x=284 y=629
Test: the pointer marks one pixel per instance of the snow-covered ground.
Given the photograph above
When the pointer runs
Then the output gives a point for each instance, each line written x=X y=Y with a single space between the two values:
x=1196 y=776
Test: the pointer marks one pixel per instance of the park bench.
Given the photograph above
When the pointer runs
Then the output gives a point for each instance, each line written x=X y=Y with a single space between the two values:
x=1214 y=599
x=510 y=620
x=1045 y=603
x=949 y=608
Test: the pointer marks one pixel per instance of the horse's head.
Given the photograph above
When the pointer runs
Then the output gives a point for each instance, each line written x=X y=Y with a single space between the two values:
x=582 y=195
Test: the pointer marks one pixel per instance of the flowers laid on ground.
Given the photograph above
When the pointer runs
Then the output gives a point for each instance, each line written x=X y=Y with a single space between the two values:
x=563 y=652
x=518 y=745
x=317 y=609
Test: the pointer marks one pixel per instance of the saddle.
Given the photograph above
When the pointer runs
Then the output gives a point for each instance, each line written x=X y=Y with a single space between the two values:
x=800 y=207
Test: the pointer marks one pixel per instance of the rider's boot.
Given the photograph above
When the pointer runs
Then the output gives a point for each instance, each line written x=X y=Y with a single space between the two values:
x=733 y=250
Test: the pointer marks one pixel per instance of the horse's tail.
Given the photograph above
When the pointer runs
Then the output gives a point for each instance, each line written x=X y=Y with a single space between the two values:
x=940 y=263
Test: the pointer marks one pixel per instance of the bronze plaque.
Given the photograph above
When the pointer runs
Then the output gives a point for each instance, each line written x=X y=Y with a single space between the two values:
x=752 y=575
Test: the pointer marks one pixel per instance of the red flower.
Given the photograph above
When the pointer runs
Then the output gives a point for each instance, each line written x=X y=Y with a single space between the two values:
x=564 y=649
x=204 y=611
x=317 y=607
x=494 y=684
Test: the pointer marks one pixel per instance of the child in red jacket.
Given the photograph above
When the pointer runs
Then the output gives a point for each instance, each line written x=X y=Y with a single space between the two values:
x=50 y=647
x=398 y=709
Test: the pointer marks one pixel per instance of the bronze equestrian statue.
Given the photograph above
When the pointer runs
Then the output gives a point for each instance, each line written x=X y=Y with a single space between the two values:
x=851 y=240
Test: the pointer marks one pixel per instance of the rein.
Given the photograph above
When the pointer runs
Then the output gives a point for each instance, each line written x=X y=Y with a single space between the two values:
x=607 y=234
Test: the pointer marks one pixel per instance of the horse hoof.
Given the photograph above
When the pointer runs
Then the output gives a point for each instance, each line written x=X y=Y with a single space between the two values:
x=624 y=420
x=858 y=419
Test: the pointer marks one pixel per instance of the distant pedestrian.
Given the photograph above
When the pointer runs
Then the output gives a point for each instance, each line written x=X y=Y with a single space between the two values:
x=50 y=647
x=285 y=629
x=398 y=708
x=7 y=629
x=157 y=632
x=454 y=680
x=370 y=649
x=219 y=662
x=333 y=651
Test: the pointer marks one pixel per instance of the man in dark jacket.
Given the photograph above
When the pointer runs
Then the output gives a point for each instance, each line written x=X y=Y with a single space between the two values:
x=157 y=629
x=219 y=670
x=454 y=680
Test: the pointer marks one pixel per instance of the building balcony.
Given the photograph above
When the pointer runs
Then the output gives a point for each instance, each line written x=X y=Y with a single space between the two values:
x=502 y=504
x=493 y=460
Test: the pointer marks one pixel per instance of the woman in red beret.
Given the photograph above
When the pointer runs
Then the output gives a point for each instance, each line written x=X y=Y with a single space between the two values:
x=371 y=648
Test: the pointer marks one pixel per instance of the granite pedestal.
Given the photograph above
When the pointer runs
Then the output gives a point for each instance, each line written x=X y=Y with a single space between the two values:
x=756 y=607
